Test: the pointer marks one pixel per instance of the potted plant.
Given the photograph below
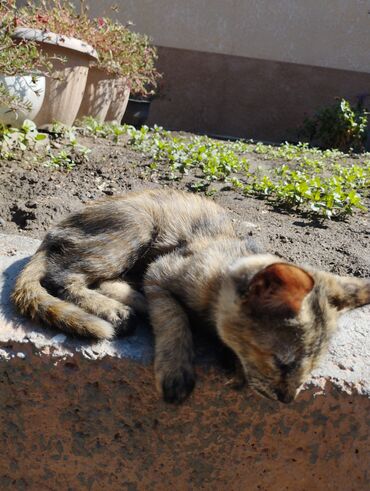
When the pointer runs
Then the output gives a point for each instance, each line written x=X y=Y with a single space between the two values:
x=61 y=16
x=22 y=74
x=53 y=27
x=102 y=87
x=98 y=72
x=126 y=62
x=143 y=88
x=141 y=72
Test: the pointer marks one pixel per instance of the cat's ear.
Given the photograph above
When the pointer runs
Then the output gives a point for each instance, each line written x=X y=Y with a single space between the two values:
x=278 y=289
x=345 y=293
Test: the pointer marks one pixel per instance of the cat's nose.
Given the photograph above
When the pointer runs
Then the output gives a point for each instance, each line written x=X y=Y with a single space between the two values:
x=284 y=397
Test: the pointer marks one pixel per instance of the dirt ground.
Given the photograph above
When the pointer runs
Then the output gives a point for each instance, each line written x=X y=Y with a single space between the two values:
x=33 y=197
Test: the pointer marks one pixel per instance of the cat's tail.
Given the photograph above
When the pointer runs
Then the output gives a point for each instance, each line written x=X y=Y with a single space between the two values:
x=34 y=301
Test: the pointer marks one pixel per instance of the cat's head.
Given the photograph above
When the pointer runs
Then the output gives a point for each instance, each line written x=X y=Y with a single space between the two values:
x=278 y=319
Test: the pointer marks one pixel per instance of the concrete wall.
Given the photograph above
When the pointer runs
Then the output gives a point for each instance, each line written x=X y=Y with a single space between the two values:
x=247 y=97
x=333 y=33
x=252 y=69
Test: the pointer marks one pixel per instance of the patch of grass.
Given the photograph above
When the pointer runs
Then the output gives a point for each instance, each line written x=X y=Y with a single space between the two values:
x=90 y=127
x=304 y=179
x=214 y=159
x=289 y=152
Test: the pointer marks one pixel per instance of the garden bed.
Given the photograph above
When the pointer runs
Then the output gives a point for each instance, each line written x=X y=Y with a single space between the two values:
x=33 y=196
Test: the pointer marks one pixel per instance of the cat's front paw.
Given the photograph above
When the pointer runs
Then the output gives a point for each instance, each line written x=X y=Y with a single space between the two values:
x=178 y=385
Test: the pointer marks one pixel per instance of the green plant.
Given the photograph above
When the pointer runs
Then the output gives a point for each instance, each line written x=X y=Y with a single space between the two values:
x=330 y=193
x=72 y=154
x=15 y=141
x=310 y=180
x=91 y=127
x=198 y=187
x=340 y=126
x=68 y=158
x=18 y=57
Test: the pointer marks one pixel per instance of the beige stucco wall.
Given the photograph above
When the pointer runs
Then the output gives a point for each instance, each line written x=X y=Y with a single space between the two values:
x=327 y=33
x=251 y=68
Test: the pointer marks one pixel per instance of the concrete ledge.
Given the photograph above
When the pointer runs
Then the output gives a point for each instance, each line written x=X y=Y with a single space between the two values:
x=83 y=415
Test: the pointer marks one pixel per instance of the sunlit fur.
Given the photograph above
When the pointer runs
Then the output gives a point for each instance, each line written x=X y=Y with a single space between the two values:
x=277 y=353
x=91 y=272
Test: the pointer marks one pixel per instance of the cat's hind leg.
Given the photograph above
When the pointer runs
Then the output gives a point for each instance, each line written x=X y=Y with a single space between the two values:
x=123 y=292
x=76 y=290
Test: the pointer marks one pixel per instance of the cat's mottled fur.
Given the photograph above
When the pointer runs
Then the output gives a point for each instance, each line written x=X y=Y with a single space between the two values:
x=275 y=316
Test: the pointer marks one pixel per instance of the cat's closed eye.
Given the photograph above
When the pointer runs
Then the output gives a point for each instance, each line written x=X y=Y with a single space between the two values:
x=285 y=367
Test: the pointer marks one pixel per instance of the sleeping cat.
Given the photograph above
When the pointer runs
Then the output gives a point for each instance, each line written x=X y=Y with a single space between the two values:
x=275 y=316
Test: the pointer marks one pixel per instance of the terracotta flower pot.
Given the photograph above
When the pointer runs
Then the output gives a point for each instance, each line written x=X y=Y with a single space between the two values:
x=121 y=93
x=98 y=94
x=65 y=89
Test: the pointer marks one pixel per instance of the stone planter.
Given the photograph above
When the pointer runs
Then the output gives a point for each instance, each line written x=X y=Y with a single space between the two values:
x=30 y=90
x=98 y=95
x=65 y=89
x=118 y=105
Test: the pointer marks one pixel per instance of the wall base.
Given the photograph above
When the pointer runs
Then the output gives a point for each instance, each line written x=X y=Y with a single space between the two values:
x=245 y=97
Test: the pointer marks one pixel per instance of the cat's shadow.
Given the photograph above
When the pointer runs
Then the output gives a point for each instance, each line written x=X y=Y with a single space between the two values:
x=138 y=346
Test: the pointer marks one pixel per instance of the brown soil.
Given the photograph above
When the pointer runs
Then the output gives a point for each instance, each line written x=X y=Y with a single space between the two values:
x=33 y=196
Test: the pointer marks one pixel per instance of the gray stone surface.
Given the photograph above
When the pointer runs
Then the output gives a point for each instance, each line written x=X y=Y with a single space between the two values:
x=347 y=363
x=14 y=253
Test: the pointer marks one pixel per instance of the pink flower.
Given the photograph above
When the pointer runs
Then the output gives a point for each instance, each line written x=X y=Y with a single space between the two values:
x=42 y=18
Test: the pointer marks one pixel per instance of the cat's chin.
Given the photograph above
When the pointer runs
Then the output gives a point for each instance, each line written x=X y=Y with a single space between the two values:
x=262 y=393
x=282 y=397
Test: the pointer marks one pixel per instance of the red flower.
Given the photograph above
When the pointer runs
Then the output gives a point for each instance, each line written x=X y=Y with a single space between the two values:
x=101 y=22
x=42 y=18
